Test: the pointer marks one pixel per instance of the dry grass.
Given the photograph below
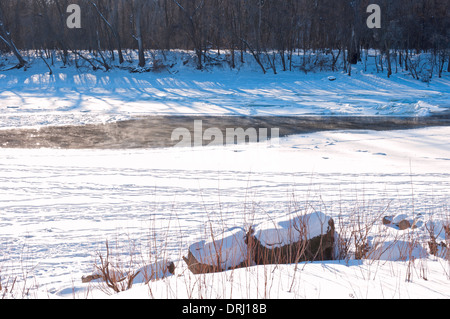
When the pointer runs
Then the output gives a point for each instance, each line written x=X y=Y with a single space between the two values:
x=361 y=236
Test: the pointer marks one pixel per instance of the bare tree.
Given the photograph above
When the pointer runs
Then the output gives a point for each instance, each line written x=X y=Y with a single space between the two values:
x=136 y=20
x=112 y=26
x=192 y=23
x=5 y=36
x=271 y=30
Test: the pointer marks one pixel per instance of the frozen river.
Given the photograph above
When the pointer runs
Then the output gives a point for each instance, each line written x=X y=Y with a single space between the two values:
x=59 y=206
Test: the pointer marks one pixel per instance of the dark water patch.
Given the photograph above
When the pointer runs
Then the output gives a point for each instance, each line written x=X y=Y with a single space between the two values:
x=156 y=131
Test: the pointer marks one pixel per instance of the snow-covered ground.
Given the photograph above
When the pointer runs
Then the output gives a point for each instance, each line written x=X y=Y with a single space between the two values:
x=79 y=96
x=59 y=207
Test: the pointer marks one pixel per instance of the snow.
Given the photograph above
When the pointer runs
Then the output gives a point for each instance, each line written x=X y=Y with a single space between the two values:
x=59 y=207
x=330 y=280
x=289 y=229
x=227 y=251
x=70 y=96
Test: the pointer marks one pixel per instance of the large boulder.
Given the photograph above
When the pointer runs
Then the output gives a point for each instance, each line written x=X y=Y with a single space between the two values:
x=294 y=238
x=221 y=252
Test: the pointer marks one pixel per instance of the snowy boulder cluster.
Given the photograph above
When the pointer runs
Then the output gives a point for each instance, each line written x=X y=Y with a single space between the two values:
x=402 y=221
x=291 y=239
x=408 y=237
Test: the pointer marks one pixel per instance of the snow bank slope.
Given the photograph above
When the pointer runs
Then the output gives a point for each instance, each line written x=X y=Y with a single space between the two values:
x=72 y=96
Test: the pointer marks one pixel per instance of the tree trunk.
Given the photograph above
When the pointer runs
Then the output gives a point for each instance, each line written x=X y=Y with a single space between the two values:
x=448 y=65
x=5 y=36
x=388 y=59
x=112 y=29
x=138 y=14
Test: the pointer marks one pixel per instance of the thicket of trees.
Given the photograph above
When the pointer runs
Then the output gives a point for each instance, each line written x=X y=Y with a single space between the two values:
x=264 y=28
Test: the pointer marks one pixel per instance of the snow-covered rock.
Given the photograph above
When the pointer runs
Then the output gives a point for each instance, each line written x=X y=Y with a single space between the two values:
x=226 y=251
x=293 y=238
x=150 y=272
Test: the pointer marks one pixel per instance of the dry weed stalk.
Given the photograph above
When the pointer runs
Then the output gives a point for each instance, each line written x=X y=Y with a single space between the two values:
x=114 y=276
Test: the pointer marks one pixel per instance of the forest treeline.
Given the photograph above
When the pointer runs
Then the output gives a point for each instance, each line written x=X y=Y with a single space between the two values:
x=260 y=27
